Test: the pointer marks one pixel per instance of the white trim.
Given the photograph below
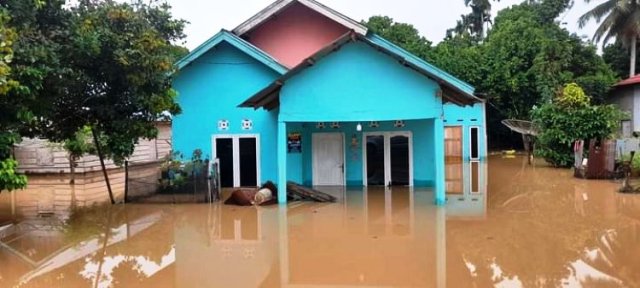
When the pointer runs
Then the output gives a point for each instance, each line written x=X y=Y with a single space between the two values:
x=235 y=138
x=484 y=130
x=387 y=135
x=277 y=7
x=471 y=158
x=314 y=174
x=471 y=178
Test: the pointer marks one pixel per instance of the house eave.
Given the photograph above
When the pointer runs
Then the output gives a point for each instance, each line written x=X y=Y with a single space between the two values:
x=275 y=8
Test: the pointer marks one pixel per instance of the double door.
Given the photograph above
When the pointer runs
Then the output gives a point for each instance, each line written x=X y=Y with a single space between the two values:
x=239 y=158
x=388 y=159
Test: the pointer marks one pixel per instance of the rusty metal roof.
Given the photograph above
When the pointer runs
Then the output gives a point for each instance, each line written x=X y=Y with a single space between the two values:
x=629 y=81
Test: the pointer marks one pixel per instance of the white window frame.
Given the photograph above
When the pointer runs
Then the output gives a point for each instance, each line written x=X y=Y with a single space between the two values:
x=471 y=158
x=387 y=135
x=235 y=138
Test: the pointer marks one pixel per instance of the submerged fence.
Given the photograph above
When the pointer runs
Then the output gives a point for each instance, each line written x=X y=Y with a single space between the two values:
x=193 y=182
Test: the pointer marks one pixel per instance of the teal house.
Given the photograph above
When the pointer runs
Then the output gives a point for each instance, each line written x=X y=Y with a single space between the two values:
x=300 y=92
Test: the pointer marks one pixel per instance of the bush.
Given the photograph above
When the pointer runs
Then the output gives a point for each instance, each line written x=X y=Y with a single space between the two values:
x=635 y=164
x=569 y=118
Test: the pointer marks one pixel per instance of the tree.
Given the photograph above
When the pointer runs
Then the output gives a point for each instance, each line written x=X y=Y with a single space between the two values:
x=97 y=63
x=120 y=61
x=528 y=58
x=473 y=23
x=10 y=113
x=616 y=55
x=621 y=21
x=402 y=34
x=461 y=56
x=571 y=117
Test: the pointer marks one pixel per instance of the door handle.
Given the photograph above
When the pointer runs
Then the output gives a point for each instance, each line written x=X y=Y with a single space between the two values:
x=341 y=167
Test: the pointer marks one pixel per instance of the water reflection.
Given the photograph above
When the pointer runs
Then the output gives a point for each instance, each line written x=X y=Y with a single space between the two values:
x=529 y=226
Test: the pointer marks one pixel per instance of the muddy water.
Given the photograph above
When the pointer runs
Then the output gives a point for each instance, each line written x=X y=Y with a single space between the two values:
x=534 y=227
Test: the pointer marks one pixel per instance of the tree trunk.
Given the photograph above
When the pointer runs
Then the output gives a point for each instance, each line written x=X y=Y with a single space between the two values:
x=104 y=168
x=632 y=67
x=72 y=183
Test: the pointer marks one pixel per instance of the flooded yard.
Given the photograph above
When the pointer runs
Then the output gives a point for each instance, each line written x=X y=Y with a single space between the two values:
x=535 y=227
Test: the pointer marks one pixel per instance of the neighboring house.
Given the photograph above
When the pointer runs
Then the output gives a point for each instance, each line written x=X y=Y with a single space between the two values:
x=52 y=188
x=39 y=156
x=626 y=94
x=300 y=92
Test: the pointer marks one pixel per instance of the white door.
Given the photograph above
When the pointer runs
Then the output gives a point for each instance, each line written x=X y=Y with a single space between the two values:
x=328 y=159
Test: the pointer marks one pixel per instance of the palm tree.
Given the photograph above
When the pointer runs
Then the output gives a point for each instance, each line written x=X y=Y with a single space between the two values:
x=480 y=15
x=618 y=19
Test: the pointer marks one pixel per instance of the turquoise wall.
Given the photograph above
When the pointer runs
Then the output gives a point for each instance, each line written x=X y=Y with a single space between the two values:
x=209 y=90
x=300 y=166
x=358 y=83
x=467 y=117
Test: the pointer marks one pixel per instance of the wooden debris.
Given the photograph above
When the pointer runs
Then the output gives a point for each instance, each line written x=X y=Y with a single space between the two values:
x=297 y=191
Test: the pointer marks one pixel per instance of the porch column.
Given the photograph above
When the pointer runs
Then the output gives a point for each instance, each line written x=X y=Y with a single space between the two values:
x=440 y=183
x=441 y=247
x=282 y=162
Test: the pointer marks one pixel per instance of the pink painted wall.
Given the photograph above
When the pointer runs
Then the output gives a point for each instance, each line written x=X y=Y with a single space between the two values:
x=295 y=34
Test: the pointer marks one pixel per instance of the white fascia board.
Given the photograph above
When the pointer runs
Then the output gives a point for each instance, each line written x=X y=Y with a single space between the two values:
x=276 y=7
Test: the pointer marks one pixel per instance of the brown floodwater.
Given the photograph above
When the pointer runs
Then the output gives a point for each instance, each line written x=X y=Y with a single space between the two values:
x=531 y=226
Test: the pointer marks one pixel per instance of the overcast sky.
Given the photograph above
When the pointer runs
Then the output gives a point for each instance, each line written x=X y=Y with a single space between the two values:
x=431 y=17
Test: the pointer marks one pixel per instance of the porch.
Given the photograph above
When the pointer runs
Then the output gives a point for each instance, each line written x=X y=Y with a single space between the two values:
x=357 y=81
x=363 y=153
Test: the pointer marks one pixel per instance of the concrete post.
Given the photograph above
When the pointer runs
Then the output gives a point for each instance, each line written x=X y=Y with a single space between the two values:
x=439 y=154
x=282 y=162
x=441 y=247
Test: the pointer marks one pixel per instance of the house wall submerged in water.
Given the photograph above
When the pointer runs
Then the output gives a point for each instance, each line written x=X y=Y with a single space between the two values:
x=331 y=104
x=53 y=188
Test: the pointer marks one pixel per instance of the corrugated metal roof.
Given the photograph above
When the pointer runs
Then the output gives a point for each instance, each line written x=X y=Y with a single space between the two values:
x=279 y=6
x=454 y=90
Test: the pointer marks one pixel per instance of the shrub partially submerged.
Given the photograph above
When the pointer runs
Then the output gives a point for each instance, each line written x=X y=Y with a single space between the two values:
x=571 y=117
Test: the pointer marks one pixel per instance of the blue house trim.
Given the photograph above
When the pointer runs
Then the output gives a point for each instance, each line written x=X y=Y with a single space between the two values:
x=466 y=87
x=239 y=43
x=454 y=89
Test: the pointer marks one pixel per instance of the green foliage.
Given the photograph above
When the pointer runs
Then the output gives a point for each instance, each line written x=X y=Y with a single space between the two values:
x=81 y=144
x=473 y=24
x=574 y=118
x=177 y=173
x=402 y=34
x=69 y=67
x=635 y=164
x=9 y=179
x=573 y=96
x=614 y=19
x=11 y=113
x=122 y=59
x=618 y=20
x=527 y=59
x=617 y=56
x=461 y=56
x=523 y=62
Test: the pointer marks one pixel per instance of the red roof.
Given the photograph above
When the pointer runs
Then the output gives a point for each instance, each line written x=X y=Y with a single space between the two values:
x=631 y=81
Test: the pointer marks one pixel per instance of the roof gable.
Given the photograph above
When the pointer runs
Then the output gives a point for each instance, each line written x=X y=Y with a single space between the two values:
x=237 y=42
x=275 y=8
x=453 y=89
